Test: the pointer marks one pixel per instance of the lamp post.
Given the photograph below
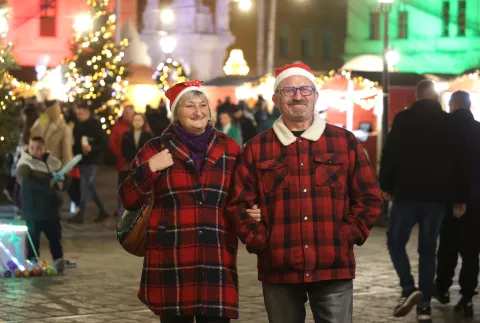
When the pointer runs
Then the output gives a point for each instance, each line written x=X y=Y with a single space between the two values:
x=386 y=7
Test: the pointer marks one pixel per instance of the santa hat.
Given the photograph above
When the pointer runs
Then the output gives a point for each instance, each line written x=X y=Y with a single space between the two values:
x=174 y=93
x=287 y=70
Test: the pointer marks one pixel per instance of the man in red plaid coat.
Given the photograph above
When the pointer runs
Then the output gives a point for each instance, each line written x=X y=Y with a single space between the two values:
x=319 y=197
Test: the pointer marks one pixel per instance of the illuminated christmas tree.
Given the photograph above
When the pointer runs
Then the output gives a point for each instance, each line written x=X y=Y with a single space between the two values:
x=97 y=70
x=10 y=120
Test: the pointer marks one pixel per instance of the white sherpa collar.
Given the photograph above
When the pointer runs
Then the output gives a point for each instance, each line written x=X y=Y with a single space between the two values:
x=313 y=133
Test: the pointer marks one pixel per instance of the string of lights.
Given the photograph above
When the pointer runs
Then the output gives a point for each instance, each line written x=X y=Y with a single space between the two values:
x=96 y=73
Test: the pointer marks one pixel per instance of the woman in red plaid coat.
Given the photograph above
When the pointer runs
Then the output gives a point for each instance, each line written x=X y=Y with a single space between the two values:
x=190 y=266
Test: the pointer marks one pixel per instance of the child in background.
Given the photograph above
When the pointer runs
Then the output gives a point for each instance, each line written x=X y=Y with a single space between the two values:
x=41 y=200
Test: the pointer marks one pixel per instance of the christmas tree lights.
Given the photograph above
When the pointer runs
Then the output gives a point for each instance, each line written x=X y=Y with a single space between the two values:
x=96 y=73
x=169 y=73
x=10 y=120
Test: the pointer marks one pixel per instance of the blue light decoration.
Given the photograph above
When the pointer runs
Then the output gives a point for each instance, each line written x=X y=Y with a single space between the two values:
x=13 y=237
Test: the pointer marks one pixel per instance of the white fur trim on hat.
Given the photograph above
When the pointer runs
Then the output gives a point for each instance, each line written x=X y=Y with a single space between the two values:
x=292 y=72
x=185 y=90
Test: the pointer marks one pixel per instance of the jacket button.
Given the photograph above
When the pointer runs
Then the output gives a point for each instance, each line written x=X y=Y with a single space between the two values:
x=199 y=203
x=329 y=162
x=200 y=232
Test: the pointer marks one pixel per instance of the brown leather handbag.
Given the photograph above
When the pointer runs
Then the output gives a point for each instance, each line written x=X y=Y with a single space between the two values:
x=132 y=228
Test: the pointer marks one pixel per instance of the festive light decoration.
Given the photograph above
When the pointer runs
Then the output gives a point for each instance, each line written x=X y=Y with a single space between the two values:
x=96 y=73
x=236 y=63
x=168 y=73
x=10 y=121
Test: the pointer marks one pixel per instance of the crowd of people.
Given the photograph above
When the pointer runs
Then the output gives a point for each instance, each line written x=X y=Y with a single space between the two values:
x=297 y=191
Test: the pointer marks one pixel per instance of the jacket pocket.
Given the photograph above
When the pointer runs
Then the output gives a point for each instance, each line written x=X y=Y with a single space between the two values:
x=274 y=175
x=330 y=170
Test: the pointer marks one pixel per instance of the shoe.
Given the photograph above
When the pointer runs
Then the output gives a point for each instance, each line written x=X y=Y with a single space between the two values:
x=442 y=296
x=465 y=304
x=101 y=217
x=69 y=264
x=59 y=265
x=77 y=218
x=406 y=302
x=424 y=314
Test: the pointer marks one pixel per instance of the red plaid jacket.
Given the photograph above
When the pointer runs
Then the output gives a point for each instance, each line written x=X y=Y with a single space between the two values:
x=319 y=197
x=190 y=267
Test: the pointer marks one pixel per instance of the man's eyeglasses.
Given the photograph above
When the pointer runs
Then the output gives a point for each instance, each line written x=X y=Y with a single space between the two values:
x=292 y=91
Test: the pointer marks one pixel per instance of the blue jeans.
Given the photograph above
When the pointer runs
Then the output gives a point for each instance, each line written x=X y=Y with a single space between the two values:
x=87 y=183
x=404 y=215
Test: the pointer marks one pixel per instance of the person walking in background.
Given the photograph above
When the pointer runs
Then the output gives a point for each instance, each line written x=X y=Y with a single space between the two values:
x=115 y=142
x=418 y=170
x=246 y=125
x=319 y=197
x=133 y=141
x=55 y=132
x=459 y=235
x=188 y=172
x=157 y=118
x=41 y=200
x=89 y=140
x=227 y=127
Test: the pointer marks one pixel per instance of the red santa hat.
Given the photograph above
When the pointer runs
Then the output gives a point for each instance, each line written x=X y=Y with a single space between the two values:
x=291 y=70
x=174 y=93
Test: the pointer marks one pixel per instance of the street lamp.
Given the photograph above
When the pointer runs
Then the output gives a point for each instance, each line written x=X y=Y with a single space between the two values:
x=245 y=5
x=386 y=7
x=167 y=16
x=168 y=44
x=393 y=57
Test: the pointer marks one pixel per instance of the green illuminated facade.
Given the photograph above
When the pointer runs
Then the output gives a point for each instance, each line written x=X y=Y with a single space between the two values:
x=431 y=36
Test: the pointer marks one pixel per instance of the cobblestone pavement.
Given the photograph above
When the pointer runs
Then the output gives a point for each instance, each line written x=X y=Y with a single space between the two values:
x=103 y=286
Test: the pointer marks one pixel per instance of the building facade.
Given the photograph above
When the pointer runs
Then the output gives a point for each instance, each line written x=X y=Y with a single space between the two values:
x=312 y=31
x=42 y=29
x=431 y=36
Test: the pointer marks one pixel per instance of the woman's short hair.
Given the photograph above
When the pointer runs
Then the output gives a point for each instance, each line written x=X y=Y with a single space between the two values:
x=188 y=96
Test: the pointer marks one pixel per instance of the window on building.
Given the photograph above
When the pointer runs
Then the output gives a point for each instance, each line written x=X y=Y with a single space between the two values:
x=403 y=24
x=307 y=42
x=462 y=18
x=284 y=35
x=48 y=15
x=327 y=45
x=446 y=18
x=374 y=25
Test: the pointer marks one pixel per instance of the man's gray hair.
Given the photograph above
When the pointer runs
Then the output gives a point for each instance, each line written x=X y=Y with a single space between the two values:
x=426 y=90
x=461 y=100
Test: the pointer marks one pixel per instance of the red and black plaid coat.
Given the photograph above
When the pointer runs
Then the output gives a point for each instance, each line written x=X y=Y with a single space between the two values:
x=190 y=266
x=318 y=196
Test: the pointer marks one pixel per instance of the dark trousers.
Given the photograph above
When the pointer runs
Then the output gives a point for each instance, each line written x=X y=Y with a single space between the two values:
x=190 y=319
x=74 y=192
x=87 y=183
x=459 y=236
x=52 y=230
x=404 y=216
x=330 y=301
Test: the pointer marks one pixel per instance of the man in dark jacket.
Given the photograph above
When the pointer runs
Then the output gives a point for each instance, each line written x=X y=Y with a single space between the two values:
x=460 y=234
x=89 y=140
x=418 y=168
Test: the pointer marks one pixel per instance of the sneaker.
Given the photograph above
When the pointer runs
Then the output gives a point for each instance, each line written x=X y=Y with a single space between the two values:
x=59 y=265
x=424 y=314
x=442 y=296
x=77 y=218
x=465 y=304
x=101 y=217
x=406 y=302
x=69 y=264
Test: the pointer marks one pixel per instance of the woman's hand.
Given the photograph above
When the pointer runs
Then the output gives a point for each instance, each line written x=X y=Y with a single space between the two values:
x=160 y=161
x=255 y=213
